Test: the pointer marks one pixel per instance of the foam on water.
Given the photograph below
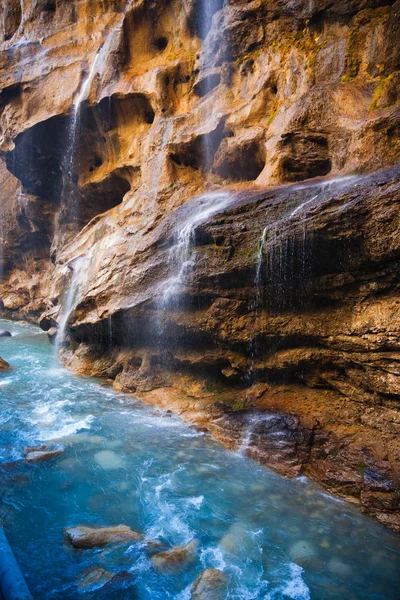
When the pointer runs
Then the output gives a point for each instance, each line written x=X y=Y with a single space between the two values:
x=68 y=429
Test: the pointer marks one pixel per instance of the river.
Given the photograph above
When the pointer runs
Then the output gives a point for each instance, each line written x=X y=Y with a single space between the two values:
x=126 y=462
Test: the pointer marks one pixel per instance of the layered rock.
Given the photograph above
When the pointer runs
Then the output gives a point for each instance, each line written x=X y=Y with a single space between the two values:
x=281 y=331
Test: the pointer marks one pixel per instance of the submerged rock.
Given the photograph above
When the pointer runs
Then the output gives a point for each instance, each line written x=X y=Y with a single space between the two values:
x=210 y=585
x=94 y=578
x=107 y=459
x=176 y=558
x=301 y=552
x=96 y=537
x=119 y=586
x=5 y=333
x=41 y=453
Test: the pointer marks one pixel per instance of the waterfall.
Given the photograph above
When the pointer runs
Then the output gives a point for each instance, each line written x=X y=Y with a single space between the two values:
x=77 y=273
x=65 y=313
x=253 y=422
x=72 y=199
x=181 y=258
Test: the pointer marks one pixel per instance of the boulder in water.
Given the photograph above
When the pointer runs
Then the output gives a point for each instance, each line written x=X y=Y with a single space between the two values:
x=96 y=537
x=210 y=585
x=5 y=333
x=41 y=453
x=176 y=558
x=4 y=366
x=94 y=578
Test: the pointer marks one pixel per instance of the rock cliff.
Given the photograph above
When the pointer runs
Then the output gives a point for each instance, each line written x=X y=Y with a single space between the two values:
x=157 y=150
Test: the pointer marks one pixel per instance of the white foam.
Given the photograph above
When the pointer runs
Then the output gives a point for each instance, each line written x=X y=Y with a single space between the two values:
x=196 y=501
x=295 y=588
x=212 y=558
x=68 y=429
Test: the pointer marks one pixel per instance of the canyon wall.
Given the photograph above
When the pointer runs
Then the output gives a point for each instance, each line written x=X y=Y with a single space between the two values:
x=267 y=309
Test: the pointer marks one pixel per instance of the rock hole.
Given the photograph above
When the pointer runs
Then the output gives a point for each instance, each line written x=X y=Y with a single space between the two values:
x=240 y=161
x=160 y=44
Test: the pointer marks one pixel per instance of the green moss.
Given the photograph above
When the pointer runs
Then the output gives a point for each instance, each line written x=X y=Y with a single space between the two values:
x=362 y=468
x=272 y=116
x=239 y=406
x=379 y=90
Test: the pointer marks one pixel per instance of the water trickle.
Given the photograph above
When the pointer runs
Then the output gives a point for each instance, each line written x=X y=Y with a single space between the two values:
x=181 y=257
x=76 y=274
x=255 y=308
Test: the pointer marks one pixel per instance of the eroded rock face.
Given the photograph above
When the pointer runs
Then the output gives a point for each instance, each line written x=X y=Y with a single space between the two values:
x=287 y=321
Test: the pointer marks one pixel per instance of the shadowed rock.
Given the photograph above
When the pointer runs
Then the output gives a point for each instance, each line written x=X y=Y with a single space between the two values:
x=93 y=578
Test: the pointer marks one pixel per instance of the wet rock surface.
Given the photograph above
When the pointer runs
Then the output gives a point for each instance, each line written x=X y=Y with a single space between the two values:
x=91 y=537
x=175 y=558
x=94 y=578
x=42 y=453
x=210 y=585
x=4 y=366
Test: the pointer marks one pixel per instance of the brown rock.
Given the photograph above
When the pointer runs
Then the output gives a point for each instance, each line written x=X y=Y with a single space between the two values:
x=4 y=366
x=210 y=585
x=41 y=453
x=176 y=558
x=85 y=537
x=93 y=578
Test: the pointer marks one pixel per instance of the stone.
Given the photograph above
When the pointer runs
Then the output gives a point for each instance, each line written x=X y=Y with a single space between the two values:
x=5 y=333
x=4 y=366
x=93 y=578
x=86 y=537
x=301 y=552
x=41 y=454
x=176 y=558
x=107 y=459
x=210 y=585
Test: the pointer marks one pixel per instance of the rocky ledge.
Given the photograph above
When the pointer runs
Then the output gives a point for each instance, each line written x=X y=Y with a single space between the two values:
x=280 y=334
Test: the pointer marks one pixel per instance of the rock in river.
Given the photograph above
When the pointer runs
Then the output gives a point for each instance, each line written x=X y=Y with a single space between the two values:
x=96 y=537
x=94 y=578
x=210 y=585
x=4 y=365
x=5 y=333
x=175 y=558
x=41 y=453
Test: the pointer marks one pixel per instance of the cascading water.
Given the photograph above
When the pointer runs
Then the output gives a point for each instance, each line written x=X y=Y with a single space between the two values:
x=70 y=195
x=181 y=257
x=65 y=313
x=76 y=272
x=287 y=260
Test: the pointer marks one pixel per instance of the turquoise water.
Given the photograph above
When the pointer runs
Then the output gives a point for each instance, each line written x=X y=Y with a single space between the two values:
x=125 y=462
